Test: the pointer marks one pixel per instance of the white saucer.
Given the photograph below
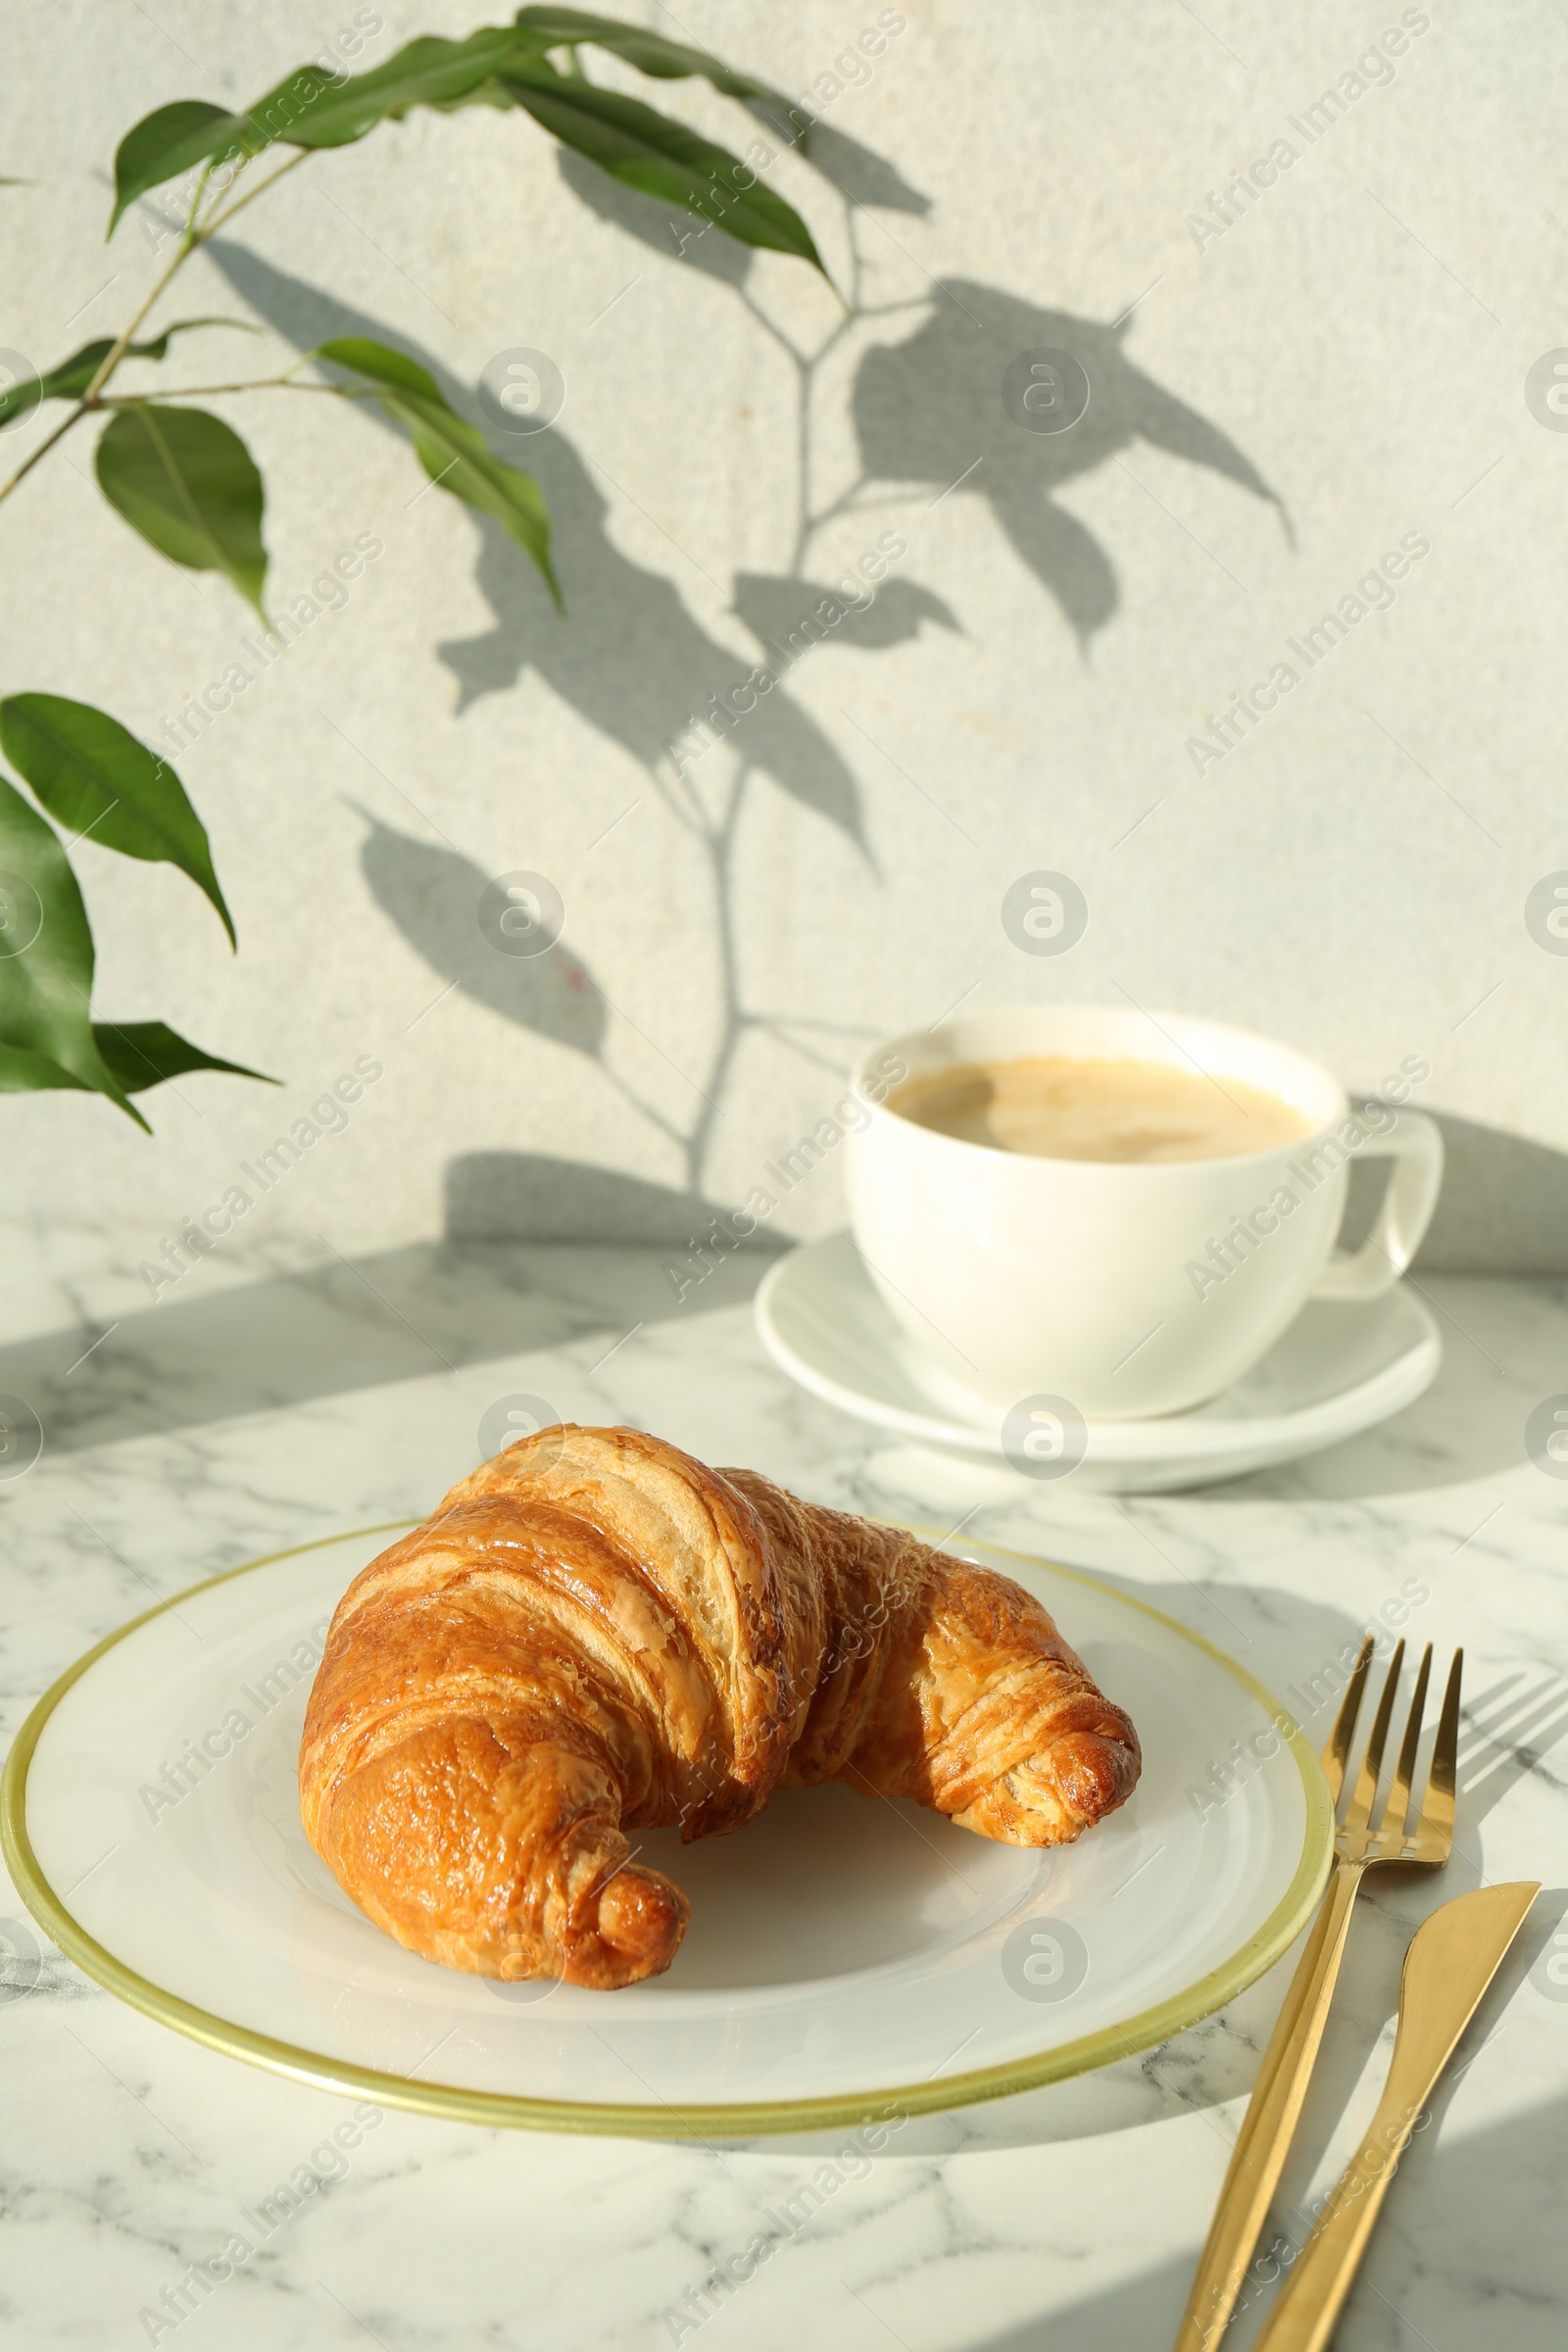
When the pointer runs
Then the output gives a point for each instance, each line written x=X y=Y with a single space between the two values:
x=1341 y=1367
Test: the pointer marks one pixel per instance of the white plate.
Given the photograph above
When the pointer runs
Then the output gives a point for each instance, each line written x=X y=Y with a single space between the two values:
x=844 y=1957
x=1342 y=1366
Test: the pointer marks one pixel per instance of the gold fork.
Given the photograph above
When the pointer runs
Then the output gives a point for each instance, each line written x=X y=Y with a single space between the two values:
x=1360 y=1843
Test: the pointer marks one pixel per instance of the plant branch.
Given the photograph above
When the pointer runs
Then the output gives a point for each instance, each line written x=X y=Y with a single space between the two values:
x=220 y=219
x=201 y=189
x=194 y=234
x=117 y=349
x=111 y=361
x=257 y=383
x=44 y=447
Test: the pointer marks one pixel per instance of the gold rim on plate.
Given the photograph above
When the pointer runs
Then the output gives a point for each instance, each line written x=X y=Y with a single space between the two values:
x=452 y=2101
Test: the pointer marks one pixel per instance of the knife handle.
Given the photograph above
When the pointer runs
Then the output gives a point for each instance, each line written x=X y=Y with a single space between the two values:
x=1269 y=2123
x=1309 y=2305
x=1452 y=1958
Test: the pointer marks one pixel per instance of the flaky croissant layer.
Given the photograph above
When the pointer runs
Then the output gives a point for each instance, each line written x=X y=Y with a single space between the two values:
x=596 y=1634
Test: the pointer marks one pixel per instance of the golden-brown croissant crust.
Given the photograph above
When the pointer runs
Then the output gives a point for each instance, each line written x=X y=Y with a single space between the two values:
x=596 y=1634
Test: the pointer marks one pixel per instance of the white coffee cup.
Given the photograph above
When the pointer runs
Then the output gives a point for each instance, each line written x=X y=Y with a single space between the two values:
x=1121 y=1288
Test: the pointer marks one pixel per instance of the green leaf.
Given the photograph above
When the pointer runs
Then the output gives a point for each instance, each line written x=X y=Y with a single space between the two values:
x=25 y=1073
x=138 y=1054
x=72 y=377
x=93 y=776
x=453 y=451
x=384 y=366
x=143 y=1053
x=310 y=107
x=188 y=483
x=640 y=148
x=166 y=142
x=46 y=962
x=649 y=52
x=499 y=65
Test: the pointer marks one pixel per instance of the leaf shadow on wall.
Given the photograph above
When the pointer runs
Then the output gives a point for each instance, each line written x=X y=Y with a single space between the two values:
x=930 y=409
x=639 y=666
x=629 y=657
x=432 y=896
x=636 y=663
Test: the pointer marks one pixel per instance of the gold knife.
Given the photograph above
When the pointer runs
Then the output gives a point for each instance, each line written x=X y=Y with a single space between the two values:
x=1452 y=1958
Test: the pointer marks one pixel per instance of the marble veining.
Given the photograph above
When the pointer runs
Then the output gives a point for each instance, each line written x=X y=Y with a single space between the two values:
x=294 y=1398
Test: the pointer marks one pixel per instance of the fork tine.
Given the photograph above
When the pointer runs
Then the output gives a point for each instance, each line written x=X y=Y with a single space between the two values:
x=1436 y=1824
x=1367 y=1779
x=1399 y=1805
x=1336 y=1753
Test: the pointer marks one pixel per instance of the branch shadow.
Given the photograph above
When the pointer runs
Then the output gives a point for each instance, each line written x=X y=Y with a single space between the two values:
x=931 y=408
x=632 y=660
x=629 y=656
x=859 y=175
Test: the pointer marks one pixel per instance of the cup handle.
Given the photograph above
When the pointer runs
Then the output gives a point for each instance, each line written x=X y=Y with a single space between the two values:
x=1415 y=1146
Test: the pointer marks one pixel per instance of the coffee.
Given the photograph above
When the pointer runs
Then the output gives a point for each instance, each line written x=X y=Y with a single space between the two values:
x=1058 y=1107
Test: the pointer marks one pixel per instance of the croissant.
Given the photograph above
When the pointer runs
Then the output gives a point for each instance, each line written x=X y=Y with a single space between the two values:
x=596 y=1634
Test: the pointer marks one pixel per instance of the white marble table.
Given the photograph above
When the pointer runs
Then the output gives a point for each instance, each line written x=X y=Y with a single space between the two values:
x=283 y=1401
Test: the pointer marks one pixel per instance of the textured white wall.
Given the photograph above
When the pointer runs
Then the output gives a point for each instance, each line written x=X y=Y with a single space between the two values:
x=1352 y=876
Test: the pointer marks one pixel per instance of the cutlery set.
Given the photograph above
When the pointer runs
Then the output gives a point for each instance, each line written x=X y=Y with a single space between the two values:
x=1452 y=1960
